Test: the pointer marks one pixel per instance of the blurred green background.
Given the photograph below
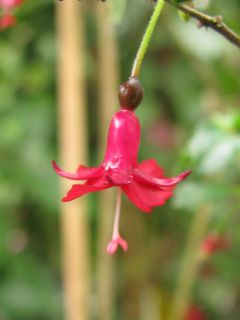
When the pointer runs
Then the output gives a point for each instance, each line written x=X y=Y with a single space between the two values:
x=190 y=119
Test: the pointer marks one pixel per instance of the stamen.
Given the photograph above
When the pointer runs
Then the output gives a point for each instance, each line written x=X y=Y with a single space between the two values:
x=117 y=214
x=116 y=238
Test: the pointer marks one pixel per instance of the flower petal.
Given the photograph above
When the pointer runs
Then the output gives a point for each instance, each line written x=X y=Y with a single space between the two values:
x=152 y=168
x=143 y=177
x=119 y=176
x=83 y=173
x=79 y=190
x=145 y=197
x=136 y=197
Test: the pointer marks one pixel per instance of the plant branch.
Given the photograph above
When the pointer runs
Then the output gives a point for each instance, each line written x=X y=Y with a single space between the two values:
x=215 y=23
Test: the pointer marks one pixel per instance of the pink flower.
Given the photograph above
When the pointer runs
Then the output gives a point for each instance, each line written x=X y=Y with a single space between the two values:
x=214 y=242
x=8 y=4
x=195 y=313
x=143 y=183
x=7 y=19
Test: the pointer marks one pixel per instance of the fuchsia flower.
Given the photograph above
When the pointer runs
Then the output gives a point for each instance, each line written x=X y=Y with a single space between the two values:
x=143 y=183
x=7 y=19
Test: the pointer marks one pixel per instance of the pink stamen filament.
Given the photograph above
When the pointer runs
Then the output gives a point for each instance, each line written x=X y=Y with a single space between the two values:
x=115 y=234
x=117 y=240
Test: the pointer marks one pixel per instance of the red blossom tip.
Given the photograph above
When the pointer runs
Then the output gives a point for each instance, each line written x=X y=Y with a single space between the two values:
x=185 y=174
x=55 y=166
x=83 y=173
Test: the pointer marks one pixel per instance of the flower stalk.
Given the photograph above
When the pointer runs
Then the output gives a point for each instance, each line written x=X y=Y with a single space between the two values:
x=137 y=65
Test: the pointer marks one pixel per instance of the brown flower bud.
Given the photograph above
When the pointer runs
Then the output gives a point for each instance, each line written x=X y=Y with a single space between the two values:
x=130 y=94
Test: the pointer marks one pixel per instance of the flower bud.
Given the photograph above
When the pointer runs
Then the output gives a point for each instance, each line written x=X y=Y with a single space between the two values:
x=130 y=94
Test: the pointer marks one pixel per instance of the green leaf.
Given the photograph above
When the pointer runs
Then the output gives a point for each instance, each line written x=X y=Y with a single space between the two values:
x=203 y=139
x=228 y=122
x=221 y=155
x=200 y=192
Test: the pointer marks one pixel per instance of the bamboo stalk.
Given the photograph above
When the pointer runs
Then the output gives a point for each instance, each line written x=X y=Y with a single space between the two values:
x=107 y=84
x=191 y=263
x=72 y=144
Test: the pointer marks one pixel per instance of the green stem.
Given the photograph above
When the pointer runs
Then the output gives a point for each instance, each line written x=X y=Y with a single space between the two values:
x=146 y=39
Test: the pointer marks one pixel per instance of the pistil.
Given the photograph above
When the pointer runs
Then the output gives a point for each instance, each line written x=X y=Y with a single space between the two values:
x=117 y=240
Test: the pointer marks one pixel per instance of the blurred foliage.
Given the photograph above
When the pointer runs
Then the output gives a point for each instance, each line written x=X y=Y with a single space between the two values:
x=190 y=118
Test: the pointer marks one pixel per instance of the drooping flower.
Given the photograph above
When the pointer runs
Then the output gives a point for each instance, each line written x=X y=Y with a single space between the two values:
x=143 y=183
x=7 y=19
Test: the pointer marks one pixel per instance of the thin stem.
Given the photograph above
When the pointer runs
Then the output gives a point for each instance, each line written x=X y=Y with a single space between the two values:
x=146 y=39
x=215 y=23
x=117 y=214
